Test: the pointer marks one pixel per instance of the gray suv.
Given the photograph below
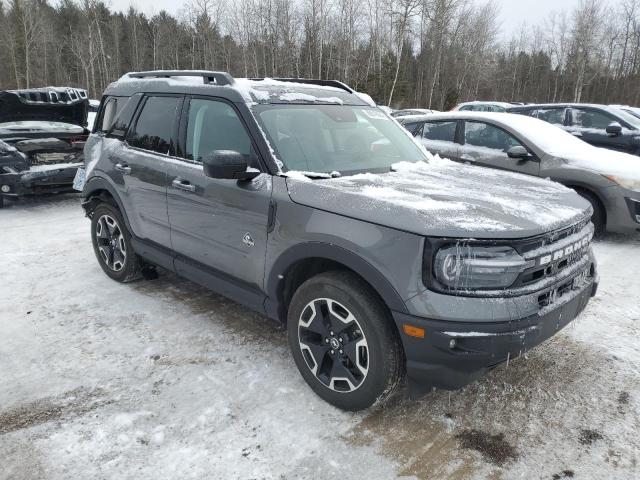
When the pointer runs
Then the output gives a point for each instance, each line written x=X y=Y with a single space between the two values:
x=305 y=202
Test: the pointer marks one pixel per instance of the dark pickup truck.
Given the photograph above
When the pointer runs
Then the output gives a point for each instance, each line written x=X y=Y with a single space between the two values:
x=42 y=135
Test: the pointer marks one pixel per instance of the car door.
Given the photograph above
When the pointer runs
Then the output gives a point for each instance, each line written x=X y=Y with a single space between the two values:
x=138 y=166
x=487 y=145
x=590 y=125
x=439 y=137
x=221 y=225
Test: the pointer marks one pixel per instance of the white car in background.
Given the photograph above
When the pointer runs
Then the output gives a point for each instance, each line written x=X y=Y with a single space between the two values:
x=483 y=107
x=408 y=112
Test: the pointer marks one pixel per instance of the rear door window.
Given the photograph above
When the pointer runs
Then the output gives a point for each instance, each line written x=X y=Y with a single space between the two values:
x=109 y=113
x=155 y=125
x=551 y=115
x=587 y=118
x=480 y=134
x=439 y=131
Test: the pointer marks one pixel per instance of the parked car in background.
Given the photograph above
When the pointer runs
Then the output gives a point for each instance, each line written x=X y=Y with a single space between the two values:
x=599 y=125
x=411 y=111
x=609 y=180
x=42 y=135
x=635 y=111
x=302 y=200
x=478 y=106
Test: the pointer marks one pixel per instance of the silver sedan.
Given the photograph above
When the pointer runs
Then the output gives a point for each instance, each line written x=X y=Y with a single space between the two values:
x=609 y=180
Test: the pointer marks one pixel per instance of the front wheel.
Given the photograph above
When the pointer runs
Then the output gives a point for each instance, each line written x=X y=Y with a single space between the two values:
x=343 y=341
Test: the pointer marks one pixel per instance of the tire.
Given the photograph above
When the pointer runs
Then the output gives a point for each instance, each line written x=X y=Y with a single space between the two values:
x=599 y=217
x=112 y=244
x=338 y=312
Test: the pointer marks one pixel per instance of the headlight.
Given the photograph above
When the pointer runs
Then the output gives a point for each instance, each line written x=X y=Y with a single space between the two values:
x=629 y=183
x=467 y=267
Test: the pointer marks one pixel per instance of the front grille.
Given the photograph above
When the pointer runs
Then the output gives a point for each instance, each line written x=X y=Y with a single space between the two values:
x=551 y=259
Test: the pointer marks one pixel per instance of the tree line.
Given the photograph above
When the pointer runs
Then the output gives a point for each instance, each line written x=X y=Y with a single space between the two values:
x=404 y=53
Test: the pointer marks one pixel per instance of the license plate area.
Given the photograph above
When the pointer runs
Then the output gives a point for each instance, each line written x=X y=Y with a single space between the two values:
x=78 y=180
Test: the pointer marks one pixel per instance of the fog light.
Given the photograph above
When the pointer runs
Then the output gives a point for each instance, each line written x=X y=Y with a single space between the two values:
x=638 y=218
x=452 y=343
x=5 y=188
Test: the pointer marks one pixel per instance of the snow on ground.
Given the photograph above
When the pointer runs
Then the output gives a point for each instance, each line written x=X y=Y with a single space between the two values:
x=162 y=379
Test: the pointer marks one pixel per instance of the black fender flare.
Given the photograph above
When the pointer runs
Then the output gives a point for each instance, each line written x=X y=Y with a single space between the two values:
x=335 y=253
x=95 y=184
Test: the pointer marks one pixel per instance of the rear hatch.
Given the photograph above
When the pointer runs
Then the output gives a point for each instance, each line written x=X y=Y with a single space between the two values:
x=65 y=105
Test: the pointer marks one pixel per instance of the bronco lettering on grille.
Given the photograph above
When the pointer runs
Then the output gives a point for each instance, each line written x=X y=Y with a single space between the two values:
x=565 y=252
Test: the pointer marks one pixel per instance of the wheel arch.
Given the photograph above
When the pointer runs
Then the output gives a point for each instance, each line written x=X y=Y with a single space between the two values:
x=99 y=190
x=580 y=187
x=301 y=262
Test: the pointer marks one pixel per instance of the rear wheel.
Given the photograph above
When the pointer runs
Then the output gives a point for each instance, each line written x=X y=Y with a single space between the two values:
x=112 y=244
x=343 y=341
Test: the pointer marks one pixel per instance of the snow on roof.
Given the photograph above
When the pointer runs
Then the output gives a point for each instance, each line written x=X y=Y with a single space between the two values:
x=270 y=90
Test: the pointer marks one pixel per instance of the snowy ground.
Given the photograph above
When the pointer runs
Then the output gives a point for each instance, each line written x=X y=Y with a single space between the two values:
x=162 y=379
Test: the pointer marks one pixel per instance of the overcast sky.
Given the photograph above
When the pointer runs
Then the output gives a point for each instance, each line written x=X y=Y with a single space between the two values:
x=513 y=12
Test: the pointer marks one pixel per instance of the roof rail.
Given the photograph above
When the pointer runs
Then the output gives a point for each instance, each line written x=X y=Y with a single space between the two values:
x=310 y=81
x=217 y=78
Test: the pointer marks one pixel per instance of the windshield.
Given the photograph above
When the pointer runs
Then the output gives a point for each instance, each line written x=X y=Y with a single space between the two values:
x=330 y=138
x=627 y=117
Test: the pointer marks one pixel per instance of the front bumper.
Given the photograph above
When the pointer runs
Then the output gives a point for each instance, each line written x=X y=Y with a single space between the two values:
x=28 y=182
x=623 y=209
x=453 y=354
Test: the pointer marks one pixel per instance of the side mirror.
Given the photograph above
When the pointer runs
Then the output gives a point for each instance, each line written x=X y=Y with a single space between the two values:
x=227 y=165
x=614 y=129
x=518 y=152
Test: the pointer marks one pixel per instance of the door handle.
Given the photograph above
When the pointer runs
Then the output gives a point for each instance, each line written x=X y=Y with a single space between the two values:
x=124 y=168
x=183 y=185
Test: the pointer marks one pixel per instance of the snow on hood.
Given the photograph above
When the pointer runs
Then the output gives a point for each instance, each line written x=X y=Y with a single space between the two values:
x=446 y=199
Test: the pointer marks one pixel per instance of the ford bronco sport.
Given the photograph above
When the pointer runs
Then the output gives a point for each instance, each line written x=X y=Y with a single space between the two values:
x=302 y=200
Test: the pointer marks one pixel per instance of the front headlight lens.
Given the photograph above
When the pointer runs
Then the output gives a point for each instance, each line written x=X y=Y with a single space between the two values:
x=629 y=183
x=466 y=267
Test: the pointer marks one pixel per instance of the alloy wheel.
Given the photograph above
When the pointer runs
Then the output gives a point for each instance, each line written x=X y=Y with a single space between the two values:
x=111 y=244
x=333 y=345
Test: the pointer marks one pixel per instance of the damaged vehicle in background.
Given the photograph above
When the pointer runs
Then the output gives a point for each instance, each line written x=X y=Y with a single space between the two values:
x=42 y=135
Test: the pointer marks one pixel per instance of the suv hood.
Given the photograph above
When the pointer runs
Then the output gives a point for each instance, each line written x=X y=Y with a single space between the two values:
x=67 y=105
x=446 y=199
